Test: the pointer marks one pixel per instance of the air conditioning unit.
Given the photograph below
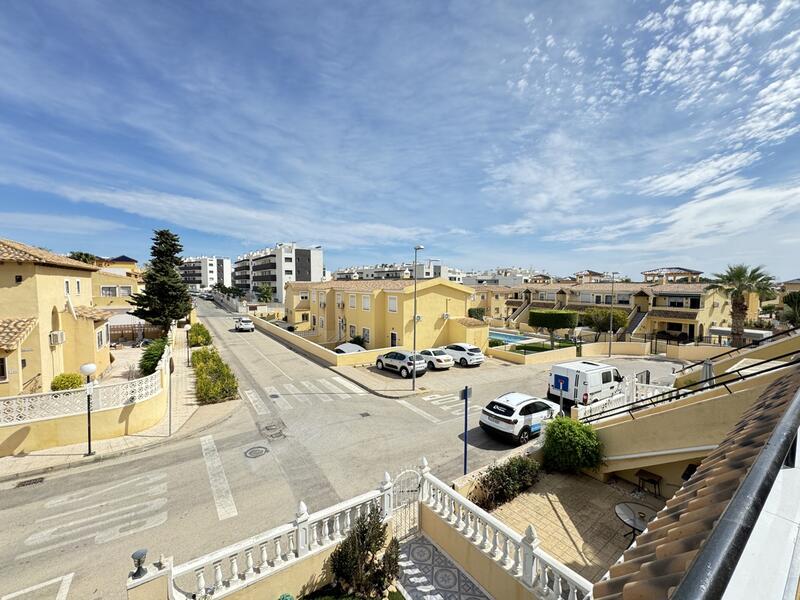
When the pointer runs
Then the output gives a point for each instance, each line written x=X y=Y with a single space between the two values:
x=445 y=316
x=56 y=338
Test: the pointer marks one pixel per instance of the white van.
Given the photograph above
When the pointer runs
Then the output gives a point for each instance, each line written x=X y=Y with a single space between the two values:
x=583 y=382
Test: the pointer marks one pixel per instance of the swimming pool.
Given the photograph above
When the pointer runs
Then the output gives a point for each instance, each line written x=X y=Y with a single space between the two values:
x=507 y=337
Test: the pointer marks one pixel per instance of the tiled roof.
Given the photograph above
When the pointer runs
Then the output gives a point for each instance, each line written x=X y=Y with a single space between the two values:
x=14 y=331
x=502 y=289
x=793 y=280
x=18 y=252
x=93 y=313
x=670 y=271
x=470 y=322
x=543 y=303
x=665 y=552
x=680 y=288
x=546 y=287
x=619 y=287
x=673 y=314
x=357 y=285
x=122 y=259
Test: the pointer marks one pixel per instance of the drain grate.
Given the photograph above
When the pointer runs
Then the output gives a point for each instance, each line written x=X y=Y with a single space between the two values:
x=277 y=435
x=255 y=451
x=274 y=396
x=28 y=482
x=364 y=414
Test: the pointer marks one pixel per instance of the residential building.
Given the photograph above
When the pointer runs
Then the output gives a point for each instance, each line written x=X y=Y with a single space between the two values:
x=277 y=266
x=121 y=265
x=497 y=301
x=426 y=269
x=204 y=272
x=672 y=275
x=49 y=323
x=793 y=285
x=114 y=291
x=381 y=312
x=589 y=276
x=506 y=276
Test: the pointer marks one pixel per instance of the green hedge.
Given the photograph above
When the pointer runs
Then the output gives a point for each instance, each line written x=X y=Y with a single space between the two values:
x=215 y=381
x=504 y=482
x=151 y=355
x=495 y=343
x=476 y=313
x=570 y=446
x=199 y=335
x=66 y=381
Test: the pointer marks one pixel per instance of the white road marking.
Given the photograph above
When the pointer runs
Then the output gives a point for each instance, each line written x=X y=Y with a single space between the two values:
x=350 y=386
x=326 y=383
x=296 y=393
x=316 y=391
x=244 y=337
x=226 y=508
x=256 y=402
x=82 y=495
x=419 y=411
x=156 y=490
x=279 y=400
x=63 y=588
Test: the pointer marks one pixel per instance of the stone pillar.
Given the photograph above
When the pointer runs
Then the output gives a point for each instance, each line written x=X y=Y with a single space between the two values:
x=154 y=584
x=386 y=496
x=301 y=530
x=529 y=543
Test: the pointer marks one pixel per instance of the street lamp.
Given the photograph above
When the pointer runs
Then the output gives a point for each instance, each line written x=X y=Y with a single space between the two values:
x=186 y=328
x=87 y=371
x=611 y=314
x=414 y=349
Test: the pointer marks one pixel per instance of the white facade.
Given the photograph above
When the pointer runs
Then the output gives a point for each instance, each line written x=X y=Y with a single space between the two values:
x=277 y=266
x=510 y=276
x=204 y=272
x=426 y=269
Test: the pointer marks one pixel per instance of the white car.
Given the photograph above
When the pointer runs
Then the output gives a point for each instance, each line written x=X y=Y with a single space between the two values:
x=245 y=324
x=400 y=361
x=465 y=354
x=436 y=358
x=517 y=417
x=348 y=348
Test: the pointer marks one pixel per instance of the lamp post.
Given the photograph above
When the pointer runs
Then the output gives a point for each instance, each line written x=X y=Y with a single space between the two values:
x=414 y=336
x=186 y=328
x=87 y=371
x=611 y=315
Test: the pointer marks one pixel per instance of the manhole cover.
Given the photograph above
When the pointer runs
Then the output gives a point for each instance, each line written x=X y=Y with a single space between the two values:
x=364 y=414
x=274 y=396
x=28 y=482
x=255 y=451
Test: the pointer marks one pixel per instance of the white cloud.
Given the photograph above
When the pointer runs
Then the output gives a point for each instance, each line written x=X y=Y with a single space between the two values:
x=66 y=225
x=703 y=173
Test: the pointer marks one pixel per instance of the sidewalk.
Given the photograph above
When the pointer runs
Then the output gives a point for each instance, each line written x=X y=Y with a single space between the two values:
x=188 y=417
x=386 y=385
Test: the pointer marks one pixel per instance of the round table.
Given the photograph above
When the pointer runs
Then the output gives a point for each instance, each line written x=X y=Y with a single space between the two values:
x=634 y=515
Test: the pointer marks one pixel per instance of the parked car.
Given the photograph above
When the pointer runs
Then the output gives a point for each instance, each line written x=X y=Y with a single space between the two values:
x=348 y=348
x=245 y=324
x=583 y=381
x=436 y=359
x=465 y=354
x=401 y=361
x=517 y=417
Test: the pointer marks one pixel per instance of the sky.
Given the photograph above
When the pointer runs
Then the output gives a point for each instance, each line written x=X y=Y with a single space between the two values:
x=612 y=135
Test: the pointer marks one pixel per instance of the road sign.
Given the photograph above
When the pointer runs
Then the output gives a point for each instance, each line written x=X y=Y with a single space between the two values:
x=561 y=382
x=466 y=393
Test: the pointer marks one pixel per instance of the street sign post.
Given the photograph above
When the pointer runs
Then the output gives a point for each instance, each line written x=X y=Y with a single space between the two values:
x=561 y=383
x=465 y=396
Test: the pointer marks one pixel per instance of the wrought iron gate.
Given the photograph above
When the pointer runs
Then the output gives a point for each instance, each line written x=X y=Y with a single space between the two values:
x=405 y=503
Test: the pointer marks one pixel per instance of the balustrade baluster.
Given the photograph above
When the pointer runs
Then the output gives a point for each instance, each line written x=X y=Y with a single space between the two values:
x=264 y=557
x=337 y=526
x=249 y=564
x=557 y=584
x=495 y=533
x=476 y=529
x=516 y=567
x=347 y=515
x=573 y=591
x=458 y=515
x=200 y=576
x=542 y=568
x=504 y=560
x=485 y=535
x=218 y=581
x=278 y=556
x=292 y=541
x=234 y=558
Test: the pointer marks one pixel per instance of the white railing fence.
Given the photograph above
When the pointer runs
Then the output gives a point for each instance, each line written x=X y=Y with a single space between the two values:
x=519 y=555
x=239 y=565
x=630 y=391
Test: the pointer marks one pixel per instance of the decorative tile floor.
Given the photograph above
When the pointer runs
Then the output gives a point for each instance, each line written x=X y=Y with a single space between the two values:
x=429 y=575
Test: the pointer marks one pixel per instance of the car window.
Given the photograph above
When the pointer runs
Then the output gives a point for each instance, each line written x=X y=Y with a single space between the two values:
x=339 y=351
x=391 y=355
x=606 y=376
x=500 y=409
x=426 y=352
x=439 y=353
x=528 y=409
x=453 y=347
x=473 y=349
x=420 y=357
x=540 y=407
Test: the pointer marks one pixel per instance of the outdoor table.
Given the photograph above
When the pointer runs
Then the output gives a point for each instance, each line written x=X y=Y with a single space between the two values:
x=634 y=515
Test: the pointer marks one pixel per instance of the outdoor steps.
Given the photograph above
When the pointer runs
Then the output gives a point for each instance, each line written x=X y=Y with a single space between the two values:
x=635 y=321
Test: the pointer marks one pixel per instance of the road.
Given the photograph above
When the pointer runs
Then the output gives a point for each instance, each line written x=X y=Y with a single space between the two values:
x=301 y=433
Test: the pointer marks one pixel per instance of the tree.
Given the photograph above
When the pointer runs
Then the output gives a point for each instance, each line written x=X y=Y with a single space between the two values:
x=235 y=292
x=219 y=287
x=737 y=283
x=791 y=308
x=84 y=257
x=599 y=319
x=165 y=297
x=552 y=320
x=264 y=293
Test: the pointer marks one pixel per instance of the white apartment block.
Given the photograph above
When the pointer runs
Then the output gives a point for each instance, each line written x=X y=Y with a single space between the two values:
x=204 y=272
x=508 y=276
x=276 y=267
x=425 y=270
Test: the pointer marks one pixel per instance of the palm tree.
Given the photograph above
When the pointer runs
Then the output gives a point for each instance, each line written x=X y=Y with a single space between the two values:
x=737 y=283
x=264 y=293
x=791 y=308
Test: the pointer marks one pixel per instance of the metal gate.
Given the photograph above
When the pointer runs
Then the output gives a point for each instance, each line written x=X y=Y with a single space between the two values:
x=405 y=503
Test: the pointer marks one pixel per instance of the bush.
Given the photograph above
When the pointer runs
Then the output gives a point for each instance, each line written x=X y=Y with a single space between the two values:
x=504 y=482
x=215 y=382
x=151 y=355
x=570 y=446
x=599 y=319
x=476 y=313
x=199 y=335
x=355 y=564
x=358 y=341
x=66 y=381
x=495 y=343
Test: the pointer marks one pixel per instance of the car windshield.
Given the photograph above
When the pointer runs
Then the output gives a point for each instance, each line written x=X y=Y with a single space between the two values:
x=439 y=353
x=501 y=409
x=473 y=350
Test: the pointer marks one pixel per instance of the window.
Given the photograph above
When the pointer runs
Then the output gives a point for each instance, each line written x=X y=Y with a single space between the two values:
x=352 y=331
x=66 y=287
x=542 y=296
x=365 y=335
x=551 y=295
x=608 y=298
x=77 y=287
x=606 y=376
x=313 y=321
x=3 y=374
x=125 y=290
x=676 y=302
x=108 y=291
x=392 y=304
x=623 y=298
x=338 y=298
x=483 y=296
x=352 y=300
x=674 y=327
x=99 y=338
x=287 y=259
x=365 y=301
x=303 y=295
x=586 y=297
x=287 y=272
x=322 y=322
x=304 y=317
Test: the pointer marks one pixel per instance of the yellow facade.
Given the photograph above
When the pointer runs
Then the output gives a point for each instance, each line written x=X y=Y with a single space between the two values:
x=494 y=300
x=57 y=294
x=381 y=312
x=113 y=290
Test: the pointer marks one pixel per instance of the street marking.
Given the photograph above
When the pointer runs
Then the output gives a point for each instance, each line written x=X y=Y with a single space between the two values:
x=156 y=490
x=419 y=411
x=350 y=386
x=265 y=358
x=332 y=387
x=226 y=508
x=296 y=393
x=256 y=402
x=279 y=400
x=83 y=495
x=316 y=391
x=63 y=588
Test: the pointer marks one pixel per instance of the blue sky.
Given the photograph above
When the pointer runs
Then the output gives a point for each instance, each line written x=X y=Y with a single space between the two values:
x=605 y=135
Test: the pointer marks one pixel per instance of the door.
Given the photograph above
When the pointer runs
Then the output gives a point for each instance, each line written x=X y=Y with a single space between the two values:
x=538 y=412
x=393 y=339
x=691 y=331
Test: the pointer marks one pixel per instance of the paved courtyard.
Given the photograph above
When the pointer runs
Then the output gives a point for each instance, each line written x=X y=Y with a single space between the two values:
x=427 y=574
x=574 y=517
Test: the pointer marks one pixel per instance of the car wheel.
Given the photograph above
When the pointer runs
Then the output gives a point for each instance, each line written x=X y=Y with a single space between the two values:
x=404 y=373
x=430 y=366
x=524 y=436
x=463 y=362
x=379 y=364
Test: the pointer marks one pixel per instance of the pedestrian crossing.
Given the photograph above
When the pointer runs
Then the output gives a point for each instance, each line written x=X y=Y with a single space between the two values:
x=303 y=394
x=451 y=403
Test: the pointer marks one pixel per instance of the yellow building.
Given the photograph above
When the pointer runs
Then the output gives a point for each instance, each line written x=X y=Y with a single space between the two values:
x=48 y=322
x=121 y=265
x=113 y=290
x=494 y=300
x=381 y=312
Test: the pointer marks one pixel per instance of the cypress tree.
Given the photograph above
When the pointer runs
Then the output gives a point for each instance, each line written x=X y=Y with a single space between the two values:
x=165 y=297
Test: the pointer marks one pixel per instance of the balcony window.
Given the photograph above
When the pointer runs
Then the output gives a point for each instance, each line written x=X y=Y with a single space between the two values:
x=608 y=298
x=108 y=291
x=676 y=302
x=623 y=298
x=675 y=327
x=99 y=338
x=392 y=304
x=366 y=300
x=586 y=297
x=352 y=300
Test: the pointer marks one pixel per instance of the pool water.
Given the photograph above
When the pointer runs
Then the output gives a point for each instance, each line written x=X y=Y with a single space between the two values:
x=507 y=337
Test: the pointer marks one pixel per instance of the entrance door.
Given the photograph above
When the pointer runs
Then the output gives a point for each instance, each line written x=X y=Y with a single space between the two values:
x=393 y=339
x=691 y=331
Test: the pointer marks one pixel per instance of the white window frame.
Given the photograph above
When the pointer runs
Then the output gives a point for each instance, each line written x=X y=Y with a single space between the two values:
x=99 y=338
x=365 y=334
x=107 y=331
x=303 y=295
x=3 y=369
x=352 y=331
x=66 y=287
x=366 y=302
x=352 y=301
x=77 y=287
x=389 y=301
x=104 y=288
x=125 y=287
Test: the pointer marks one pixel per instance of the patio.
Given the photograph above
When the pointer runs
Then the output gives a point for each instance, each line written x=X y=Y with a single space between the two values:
x=574 y=518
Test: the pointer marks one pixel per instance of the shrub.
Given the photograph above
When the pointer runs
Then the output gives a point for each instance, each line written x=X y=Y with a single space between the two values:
x=552 y=320
x=599 y=319
x=476 y=313
x=290 y=328
x=358 y=341
x=66 y=381
x=199 y=335
x=504 y=482
x=215 y=381
x=570 y=446
x=495 y=343
x=355 y=563
x=151 y=355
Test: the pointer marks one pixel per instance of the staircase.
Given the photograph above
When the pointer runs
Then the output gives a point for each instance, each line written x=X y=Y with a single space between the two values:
x=522 y=310
x=635 y=320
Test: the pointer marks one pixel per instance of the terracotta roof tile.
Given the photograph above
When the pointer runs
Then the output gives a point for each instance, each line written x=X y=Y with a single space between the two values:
x=18 y=252
x=680 y=288
x=14 y=331
x=93 y=313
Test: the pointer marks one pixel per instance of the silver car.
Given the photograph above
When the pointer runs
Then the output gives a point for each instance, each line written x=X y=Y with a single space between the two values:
x=436 y=358
x=400 y=361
